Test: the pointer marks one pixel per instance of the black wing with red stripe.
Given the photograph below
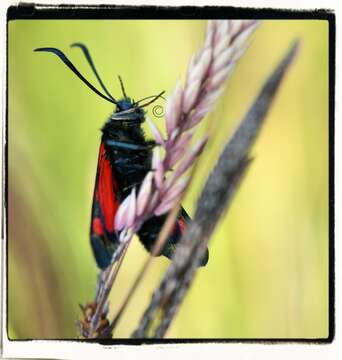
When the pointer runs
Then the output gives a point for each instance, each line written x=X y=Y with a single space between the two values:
x=104 y=240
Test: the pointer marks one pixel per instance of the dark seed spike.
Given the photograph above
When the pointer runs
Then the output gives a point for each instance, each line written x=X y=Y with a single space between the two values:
x=71 y=66
x=92 y=65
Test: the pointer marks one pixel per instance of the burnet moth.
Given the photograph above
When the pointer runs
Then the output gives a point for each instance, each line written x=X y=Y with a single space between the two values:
x=124 y=160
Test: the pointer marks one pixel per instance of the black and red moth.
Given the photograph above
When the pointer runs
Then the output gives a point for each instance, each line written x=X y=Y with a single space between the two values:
x=124 y=160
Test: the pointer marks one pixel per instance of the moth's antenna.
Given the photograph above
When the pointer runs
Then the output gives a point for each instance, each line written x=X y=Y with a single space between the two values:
x=70 y=65
x=92 y=65
x=153 y=100
x=122 y=86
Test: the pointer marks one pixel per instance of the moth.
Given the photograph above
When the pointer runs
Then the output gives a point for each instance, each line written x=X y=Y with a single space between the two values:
x=125 y=157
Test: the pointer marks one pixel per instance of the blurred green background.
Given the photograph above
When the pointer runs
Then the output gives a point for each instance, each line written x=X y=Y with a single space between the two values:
x=267 y=275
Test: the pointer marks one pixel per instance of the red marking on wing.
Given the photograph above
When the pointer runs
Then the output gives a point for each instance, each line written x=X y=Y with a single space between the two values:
x=181 y=224
x=106 y=189
x=97 y=226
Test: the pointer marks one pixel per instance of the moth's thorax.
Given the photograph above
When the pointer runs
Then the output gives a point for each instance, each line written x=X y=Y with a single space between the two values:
x=126 y=131
x=122 y=136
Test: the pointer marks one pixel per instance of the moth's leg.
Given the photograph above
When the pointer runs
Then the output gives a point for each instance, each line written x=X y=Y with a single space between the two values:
x=137 y=184
x=151 y=144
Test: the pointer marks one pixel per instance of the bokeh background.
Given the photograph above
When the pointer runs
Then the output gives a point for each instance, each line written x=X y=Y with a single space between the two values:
x=267 y=275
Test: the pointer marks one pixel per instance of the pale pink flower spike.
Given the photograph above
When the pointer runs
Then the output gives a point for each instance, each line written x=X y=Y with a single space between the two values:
x=207 y=73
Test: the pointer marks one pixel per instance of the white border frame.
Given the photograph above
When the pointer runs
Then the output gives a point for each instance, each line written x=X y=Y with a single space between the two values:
x=71 y=350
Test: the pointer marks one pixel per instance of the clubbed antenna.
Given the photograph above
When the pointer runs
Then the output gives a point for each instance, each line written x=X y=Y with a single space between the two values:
x=92 y=65
x=71 y=66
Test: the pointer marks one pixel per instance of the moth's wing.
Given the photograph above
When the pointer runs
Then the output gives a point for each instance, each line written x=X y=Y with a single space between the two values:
x=103 y=238
x=182 y=221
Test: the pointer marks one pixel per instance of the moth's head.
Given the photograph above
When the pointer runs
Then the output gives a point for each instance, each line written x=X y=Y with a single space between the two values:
x=127 y=112
x=128 y=105
x=125 y=103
